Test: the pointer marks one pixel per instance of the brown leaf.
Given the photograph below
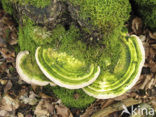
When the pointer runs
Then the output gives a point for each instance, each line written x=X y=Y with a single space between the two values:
x=147 y=50
x=3 y=82
x=63 y=111
x=137 y=25
x=44 y=108
x=152 y=35
x=20 y=115
x=153 y=46
x=41 y=110
x=8 y=103
x=7 y=54
x=147 y=79
x=76 y=96
x=8 y=86
x=44 y=96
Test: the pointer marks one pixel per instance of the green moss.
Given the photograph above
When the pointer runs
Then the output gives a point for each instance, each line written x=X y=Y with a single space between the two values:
x=7 y=6
x=145 y=2
x=70 y=41
x=148 y=15
x=37 y=3
x=146 y=10
x=102 y=16
x=25 y=38
x=73 y=98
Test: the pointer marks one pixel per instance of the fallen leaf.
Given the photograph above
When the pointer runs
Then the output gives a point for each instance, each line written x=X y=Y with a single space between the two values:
x=20 y=115
x=7 y=54
x=147 y=50
x=8 y=86
x=142 y=38
x=147 y=79
x=9 y=104
x=31 y=99
x=137 y=25
x=63 y=111
x=153 y=46
x=3 y=82
x=152 y=35
x=44 y=108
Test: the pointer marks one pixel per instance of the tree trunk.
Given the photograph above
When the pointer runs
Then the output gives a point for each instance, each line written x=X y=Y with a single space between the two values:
x=49 y=16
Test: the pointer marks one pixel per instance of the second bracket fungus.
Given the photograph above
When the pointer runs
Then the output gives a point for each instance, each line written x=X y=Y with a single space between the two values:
x=126 y=72
x=29 y=70
x=65 y=70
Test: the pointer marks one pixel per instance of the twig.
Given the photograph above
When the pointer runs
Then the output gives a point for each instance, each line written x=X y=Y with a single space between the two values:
x=116 y=107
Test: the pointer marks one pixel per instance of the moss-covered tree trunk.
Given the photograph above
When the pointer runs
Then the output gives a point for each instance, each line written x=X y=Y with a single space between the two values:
x=44 y=13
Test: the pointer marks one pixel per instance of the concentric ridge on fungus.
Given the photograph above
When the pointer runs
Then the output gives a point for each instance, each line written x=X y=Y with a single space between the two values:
x=110 y=85
x=64 y=70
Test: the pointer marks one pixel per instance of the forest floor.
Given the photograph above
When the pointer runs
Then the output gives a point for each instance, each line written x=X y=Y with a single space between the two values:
x=18 y=99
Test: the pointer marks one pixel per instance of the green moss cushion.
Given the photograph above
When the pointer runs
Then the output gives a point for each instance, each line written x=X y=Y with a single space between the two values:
x=126 y=72
x=65 y=70
x=76 y=98
x=105 y=17
x=29 y=70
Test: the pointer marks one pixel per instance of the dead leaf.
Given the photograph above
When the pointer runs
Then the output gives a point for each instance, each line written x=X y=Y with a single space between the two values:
x=142 y=38
x=44 y=108
x=9 y=104
x=76 y=96
x=20 y=115
x=7 y=54
x=137 y=25
x=147 y=79
x=153 y=46
x=44 y=96
x=31 y=99
x=63 y=111
x=4 y=113
x=147 y=49
x=8 y=86
x=3 y=82
x=152 y=35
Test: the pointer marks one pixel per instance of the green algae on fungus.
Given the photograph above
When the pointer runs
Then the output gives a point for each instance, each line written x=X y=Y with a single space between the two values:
x=126 y=72
x=29 y=71
x=65 y=70
x=106 y=17
x=73 y=98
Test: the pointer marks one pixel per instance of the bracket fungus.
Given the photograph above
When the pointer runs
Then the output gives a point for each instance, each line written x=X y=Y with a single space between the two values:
x=71 y=73
x=29 y=70
x=64 y=70
x=126 y=72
